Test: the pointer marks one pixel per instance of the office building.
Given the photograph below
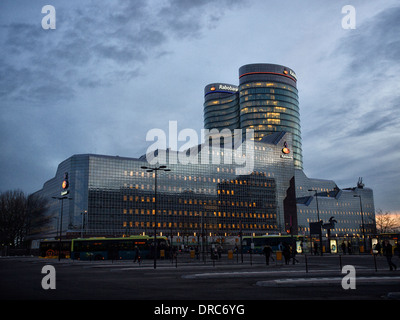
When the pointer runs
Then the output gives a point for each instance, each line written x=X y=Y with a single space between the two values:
x=261 y=190
x=265 y=101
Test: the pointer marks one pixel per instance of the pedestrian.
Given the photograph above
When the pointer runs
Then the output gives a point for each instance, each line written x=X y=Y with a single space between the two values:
x=175 y=253
x=267 y=252
x=214 y=255
x=219 y=251
x=343 y=246
x=389 y=254
x=137 y=254
x=378 y=248
x=286 y=253
x=294 y=251
x=349 y=250
x=315 y=248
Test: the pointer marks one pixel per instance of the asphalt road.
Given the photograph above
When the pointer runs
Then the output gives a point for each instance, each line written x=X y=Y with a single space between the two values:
x=319 y=279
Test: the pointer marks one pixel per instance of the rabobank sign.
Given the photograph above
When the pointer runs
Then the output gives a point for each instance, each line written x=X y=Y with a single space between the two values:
x=220 y=88
x=293 y=74
x=228 y=87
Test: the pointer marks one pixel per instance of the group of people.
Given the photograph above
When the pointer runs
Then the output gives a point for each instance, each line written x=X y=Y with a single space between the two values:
x=287 y=250
x=387 y=250
x=346 y=248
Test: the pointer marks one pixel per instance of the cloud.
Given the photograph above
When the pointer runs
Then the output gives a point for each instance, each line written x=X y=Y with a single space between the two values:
x=68 y=78
x=93 y=45
x=356 y=126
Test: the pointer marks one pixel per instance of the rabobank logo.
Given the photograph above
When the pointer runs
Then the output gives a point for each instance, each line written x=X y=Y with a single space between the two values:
x=228 y=87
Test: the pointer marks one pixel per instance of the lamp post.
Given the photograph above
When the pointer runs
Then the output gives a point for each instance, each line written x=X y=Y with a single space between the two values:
x=155 y=170
x=362 y=220
x=83 y=214
x=320 y=231
x=61 y=217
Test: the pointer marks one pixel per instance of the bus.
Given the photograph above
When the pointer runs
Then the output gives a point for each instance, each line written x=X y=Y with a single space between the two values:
x=117 y=248
x=257 y=243
x=48 y=249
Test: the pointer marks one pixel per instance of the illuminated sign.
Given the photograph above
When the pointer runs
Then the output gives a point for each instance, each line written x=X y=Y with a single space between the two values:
x=221 y=87
x=291 y=73
x=285 y=149
x=65 y=185
x=228 y=87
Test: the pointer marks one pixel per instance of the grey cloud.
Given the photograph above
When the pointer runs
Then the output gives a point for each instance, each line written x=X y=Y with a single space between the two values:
x=365 y=98
x=188 y=18
x=375 y=43
x=91 y=44
x=356 y=126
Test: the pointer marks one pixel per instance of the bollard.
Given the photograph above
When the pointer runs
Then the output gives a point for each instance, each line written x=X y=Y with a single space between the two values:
x=340 y=261
x=376 y=269
x=279 y=255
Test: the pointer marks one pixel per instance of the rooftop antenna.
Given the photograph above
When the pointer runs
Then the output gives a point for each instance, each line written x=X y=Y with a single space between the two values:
x=360 y=184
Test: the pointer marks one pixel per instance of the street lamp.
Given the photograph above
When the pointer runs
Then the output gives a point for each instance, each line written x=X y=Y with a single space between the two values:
x=362 y=220
x=155 y=170
x=61 y=217
x=83 y=214
x=320 y=231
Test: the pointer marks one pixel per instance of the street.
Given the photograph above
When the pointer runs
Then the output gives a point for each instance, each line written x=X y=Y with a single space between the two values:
x=320 y=278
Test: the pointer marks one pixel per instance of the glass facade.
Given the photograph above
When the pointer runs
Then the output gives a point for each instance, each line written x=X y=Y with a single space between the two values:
x=192 y=199
x=269 y=102
x=221 y=106
x=266 y=101
x=342 y=204
x=253 y=188
x=72 y=210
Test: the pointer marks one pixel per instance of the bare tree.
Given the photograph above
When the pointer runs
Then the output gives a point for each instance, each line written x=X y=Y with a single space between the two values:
x=17 y=212
x=12 y=216
x=386 y=222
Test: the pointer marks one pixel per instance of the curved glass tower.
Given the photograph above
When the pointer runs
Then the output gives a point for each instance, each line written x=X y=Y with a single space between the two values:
x=266 y=101
x=269 y=103
x=221 y=106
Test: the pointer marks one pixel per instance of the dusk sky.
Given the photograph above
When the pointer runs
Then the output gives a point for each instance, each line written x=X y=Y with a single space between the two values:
x=113 y=70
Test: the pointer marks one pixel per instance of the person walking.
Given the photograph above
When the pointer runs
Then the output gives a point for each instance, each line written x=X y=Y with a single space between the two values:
x=137 y=255
x=389 y=254
x=293 y=254
x=286 y=253
x=315 y=248
x=267 y=252
x=343 y=246
x=378 y=248
x=349 y=250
